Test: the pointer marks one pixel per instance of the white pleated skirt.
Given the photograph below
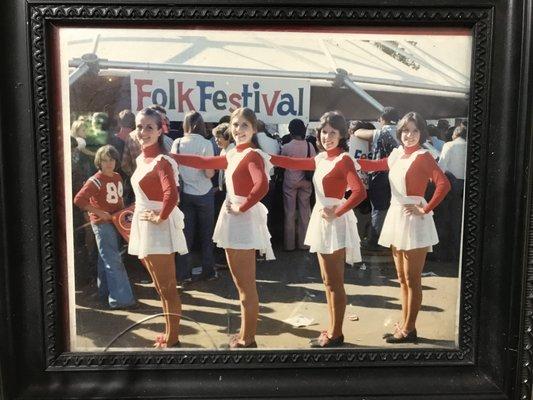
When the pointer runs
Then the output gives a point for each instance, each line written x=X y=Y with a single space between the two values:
x=326 y=237
x=164 y=238
x=408 y=232
x=244 y=231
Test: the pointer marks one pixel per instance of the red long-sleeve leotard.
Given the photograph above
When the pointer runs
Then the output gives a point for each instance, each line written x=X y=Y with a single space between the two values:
x=422 y=170
x=160 y=184
x=249 y=178
x=335 y=183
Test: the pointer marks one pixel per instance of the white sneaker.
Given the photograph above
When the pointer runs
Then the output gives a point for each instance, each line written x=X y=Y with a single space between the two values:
x=196 y=271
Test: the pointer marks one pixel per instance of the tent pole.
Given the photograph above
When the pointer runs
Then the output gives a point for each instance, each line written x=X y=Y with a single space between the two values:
x=128 y=65
x=364 y=95
x=96 y=43
x=88 y=61
x=78 y=73
x=328 y=76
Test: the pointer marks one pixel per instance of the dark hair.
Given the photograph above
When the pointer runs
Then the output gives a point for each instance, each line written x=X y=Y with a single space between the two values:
x=464 y=122
x=223 y=131
x=102 y=119
x=155 y=115
x=460 y=131
x=224 y=119
x=194 y=123
x=261 y=127
x=442 y=124
x=433 y=131
x=158 y=108
x=390 y=114
x=249 y=115
x=126 y=119
x=355 y=125
x=336 y=120
x=158 y=118
x=297 y=128
x=449 y=133
x=420 y=123
x=108 y=151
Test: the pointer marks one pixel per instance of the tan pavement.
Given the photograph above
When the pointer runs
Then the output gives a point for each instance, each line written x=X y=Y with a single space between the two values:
x=291 y=292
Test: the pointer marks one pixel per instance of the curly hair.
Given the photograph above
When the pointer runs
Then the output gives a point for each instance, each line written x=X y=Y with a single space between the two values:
x=337 y=121
x=418 y=120
x=223 y=130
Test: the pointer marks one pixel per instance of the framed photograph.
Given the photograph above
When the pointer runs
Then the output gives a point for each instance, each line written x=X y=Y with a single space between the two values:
x=378 y=249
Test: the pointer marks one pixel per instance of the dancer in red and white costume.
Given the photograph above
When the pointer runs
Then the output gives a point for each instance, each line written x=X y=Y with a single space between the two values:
x=241 y=228
x=157 y=225
x=409 y=229
x=332 y=231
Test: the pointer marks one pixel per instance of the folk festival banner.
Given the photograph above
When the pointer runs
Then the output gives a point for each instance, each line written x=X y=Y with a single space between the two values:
x=274 y=100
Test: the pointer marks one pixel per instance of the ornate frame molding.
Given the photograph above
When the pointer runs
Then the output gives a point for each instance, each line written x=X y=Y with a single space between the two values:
x=480 y=20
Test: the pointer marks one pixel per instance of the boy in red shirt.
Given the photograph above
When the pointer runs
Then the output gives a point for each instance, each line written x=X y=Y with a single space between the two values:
x=101 y=196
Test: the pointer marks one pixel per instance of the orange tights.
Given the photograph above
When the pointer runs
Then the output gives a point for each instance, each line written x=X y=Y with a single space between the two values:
x=332 y=271
x=242 y=266
x=409 y=265
x=162 y=269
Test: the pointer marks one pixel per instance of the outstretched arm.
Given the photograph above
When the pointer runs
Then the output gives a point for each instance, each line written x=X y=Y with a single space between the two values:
x=301 y=164
x=201 y=162
x=373 y=165
x=365 y=134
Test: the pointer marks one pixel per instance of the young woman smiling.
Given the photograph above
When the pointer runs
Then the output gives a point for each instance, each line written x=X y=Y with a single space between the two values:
x=408 y=228
x=157 y=225
x=332 y=231
x=241 y=228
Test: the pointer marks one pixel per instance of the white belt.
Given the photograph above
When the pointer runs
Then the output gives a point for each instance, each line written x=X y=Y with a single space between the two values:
x=233 y=198
x=406 y=200
x=148 y=205
x=329 y=201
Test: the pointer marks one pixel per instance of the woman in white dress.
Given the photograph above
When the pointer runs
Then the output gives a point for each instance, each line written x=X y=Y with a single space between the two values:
x=332 y=231
x=157 y=225
x=409 y=229
x=241 y=228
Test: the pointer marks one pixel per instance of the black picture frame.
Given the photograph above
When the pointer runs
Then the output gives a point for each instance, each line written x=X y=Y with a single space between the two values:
x=493 y=359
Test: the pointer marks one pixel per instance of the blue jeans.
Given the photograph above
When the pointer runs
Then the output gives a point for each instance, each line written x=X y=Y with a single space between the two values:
x=378 y=217
x=113 y=282
x=199 y=212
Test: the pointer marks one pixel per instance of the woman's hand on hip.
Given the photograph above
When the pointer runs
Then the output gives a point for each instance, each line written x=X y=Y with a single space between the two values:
x=150 y=216
x=232 y=208
x=328 y=213
x=414 y=209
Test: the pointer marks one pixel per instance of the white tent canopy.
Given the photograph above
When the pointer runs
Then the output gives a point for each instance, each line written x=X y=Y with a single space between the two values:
x=387 y=68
